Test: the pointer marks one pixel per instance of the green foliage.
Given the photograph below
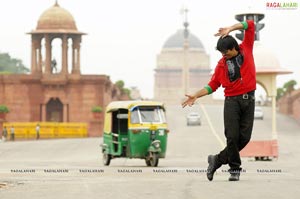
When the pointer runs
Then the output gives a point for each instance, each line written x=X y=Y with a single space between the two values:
x=97 y=109
x=3 y=109
x=11 y=65
x=288 y=87
x=126 y=91
x=280 y=93
x=120 y=84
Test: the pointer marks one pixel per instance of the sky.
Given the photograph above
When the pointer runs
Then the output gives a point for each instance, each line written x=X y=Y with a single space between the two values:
x=124 y=37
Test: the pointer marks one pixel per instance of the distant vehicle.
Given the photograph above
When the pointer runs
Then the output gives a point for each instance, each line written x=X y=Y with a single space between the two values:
x=258 y=113
x=193 y=118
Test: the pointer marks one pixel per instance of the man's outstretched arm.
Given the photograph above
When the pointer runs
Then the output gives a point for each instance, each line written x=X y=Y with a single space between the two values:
x=192 y=98
x=223 y=32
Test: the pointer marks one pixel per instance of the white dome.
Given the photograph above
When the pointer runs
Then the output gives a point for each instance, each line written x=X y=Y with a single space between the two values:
x=264 y=57
x=177 y=41
x=266 y=61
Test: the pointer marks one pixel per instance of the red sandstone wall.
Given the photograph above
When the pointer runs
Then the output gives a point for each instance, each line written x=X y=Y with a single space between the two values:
x=290 y=105
x=25 y=94
x=296 y=109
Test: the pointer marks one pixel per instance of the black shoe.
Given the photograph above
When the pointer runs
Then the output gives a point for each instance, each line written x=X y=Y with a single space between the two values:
x=213 y=165
x=234 y=175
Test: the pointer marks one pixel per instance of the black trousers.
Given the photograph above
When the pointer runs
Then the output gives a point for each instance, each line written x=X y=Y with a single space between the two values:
x=238 y=124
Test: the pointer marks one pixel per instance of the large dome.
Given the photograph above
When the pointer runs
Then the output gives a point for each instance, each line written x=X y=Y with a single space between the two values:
x=56 y=18
x=177 y=41
x=266 y=61
x=264 y=57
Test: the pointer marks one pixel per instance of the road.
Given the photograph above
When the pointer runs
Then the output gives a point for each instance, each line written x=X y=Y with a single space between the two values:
x=72 y=168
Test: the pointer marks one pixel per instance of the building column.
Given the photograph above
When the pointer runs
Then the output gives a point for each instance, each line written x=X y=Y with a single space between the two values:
x=48 y=55
x=65 y=113
x=185 y=68
x=40 y=58
x=274 y=129
x=33 y=55
x=76 y=55
x=73 y=56
x=44 y=113
x=64 y=59
x=273 y=96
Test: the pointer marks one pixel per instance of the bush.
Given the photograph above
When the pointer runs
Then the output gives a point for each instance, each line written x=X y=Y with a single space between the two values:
x=3 y=109
x=97 y=109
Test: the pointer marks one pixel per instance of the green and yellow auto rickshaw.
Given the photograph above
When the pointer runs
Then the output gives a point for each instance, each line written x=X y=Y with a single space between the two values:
x=135 y=129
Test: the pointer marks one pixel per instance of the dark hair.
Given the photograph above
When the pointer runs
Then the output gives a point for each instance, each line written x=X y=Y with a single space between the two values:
x=227 y=43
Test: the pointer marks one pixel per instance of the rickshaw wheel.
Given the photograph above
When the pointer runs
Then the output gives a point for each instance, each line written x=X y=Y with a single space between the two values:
x=152 y=159
x=147 y=162
x=106 y=159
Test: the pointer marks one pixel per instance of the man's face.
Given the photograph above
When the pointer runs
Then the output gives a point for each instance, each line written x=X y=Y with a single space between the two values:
x=230 y=53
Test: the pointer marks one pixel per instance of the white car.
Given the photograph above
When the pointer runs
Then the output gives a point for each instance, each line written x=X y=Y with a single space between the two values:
x=258 y=113
x=193 y=118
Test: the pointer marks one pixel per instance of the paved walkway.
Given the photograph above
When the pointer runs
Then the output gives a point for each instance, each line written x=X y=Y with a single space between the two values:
x=72 y=168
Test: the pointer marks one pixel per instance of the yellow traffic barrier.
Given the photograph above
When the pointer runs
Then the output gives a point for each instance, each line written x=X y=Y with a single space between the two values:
x=47 y=130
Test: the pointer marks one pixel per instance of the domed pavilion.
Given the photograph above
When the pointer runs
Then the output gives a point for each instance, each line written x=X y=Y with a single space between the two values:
x=55 y=22
x=51 y=95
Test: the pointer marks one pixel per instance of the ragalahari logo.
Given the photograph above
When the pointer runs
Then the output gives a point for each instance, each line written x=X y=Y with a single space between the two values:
x=282 y=5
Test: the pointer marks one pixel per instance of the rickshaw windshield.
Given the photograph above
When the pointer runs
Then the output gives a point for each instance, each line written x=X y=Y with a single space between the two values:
x=147 y=114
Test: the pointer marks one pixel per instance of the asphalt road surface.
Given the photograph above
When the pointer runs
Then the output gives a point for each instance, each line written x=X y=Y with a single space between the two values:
x=72 y=168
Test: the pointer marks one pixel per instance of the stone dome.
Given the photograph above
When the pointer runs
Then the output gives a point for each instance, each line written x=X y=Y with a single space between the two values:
x=177 y=40
x=264 y=57
x=56 y=18
x=266 y=61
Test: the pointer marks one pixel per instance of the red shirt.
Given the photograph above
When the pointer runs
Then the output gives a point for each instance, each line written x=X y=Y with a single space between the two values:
x=247 y=81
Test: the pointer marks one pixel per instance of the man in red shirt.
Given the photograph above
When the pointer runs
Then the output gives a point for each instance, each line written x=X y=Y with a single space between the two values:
x=235 y=72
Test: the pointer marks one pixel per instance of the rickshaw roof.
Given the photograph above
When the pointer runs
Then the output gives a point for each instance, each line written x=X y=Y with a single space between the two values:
x=115 y=105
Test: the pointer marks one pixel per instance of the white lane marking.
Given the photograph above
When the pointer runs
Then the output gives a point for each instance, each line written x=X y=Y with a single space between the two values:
x=212 y=127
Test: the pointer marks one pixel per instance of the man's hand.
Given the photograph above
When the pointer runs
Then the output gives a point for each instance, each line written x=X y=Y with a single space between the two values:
x=223 y=32
x=189 y=101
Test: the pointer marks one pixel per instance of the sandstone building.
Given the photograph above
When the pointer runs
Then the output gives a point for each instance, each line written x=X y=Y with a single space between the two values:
x=182 y=68
x=52 y=95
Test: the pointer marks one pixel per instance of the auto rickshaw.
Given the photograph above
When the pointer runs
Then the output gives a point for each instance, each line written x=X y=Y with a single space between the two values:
x=135 y=129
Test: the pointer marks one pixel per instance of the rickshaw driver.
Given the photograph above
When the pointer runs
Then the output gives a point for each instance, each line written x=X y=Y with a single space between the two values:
x=235 y=71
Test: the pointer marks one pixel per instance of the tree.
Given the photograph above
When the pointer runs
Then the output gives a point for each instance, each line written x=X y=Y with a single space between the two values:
x=125 y=91
x=280 y=93
x=120 y=84
x=11 y=65
x=287 y=88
